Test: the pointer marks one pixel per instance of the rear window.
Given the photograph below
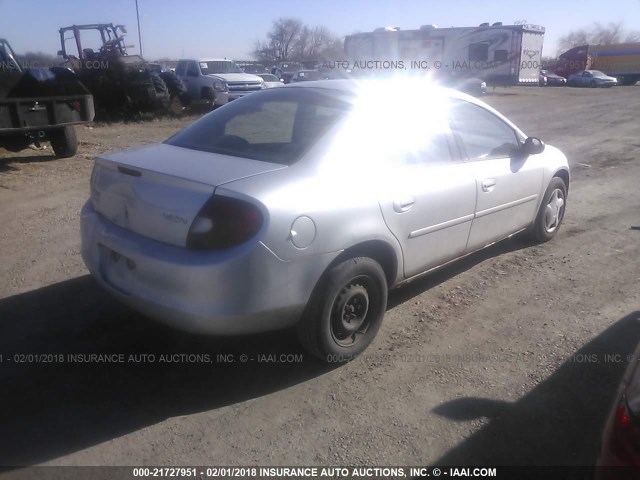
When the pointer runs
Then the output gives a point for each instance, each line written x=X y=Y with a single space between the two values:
x=276 y=126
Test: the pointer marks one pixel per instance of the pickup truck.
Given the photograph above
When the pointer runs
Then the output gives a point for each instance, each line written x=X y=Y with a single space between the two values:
x=216 y=81
x=40 y=104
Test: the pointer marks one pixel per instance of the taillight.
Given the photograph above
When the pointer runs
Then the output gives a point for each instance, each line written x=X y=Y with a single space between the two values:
x=625 y=436
x=224 y=222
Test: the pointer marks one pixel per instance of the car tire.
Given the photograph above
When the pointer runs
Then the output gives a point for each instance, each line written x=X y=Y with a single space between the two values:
x=551 y=212
x=345 y=311
x=163 y=99
x=593 y=84
x=177 y=92
x=64 y=142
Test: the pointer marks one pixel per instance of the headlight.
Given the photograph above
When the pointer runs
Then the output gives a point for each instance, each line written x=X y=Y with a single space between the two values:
x=220 y=86
x=483 y=85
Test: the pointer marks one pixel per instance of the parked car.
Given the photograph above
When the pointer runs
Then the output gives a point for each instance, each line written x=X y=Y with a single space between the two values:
x=591 y=78
x=621 y=437
x=270 y=81
x=285 y=70
x=254 y=68
x=308 y=75
x=303 y=205
x=216 y=81
x=547 y=77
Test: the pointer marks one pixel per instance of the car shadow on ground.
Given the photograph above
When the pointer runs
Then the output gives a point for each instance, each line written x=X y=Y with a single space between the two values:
x=24 y=157
x=52 y=409
x=54 y=404
x=560 y=421
x=435 y=278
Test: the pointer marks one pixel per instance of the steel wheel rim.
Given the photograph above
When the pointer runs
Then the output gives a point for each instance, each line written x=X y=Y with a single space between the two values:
x=554 y=211
x=351 y=312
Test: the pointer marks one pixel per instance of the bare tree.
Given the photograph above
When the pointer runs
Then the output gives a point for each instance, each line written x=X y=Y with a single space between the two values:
x=263 y=52
x=606 y=34
x=575 y=38
x=290 y=39
x=281 y=40
x=597 y=34
x=313 y=42
x=632 y=37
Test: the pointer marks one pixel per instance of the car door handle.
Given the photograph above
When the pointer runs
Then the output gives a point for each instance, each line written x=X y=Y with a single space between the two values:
x=488 y=184
x=404 y=204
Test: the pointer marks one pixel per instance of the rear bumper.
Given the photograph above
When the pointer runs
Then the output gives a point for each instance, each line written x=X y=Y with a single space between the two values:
x=20 y=115
x=242 y=290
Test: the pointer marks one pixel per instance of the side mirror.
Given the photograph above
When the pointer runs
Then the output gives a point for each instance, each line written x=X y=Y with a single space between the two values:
x=60 y=53
x=532 y=146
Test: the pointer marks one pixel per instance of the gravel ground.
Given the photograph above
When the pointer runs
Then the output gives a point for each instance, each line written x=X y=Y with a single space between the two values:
x=506 y=357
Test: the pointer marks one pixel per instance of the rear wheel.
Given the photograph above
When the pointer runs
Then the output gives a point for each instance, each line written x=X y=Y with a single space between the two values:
x=551 y=211
x=163 y=99
x=593 y=84
x=177 y=92
x=346 y=310
x=64 y=142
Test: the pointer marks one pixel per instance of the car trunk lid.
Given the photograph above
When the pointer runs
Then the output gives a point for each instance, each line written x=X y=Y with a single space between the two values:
x=157 y=190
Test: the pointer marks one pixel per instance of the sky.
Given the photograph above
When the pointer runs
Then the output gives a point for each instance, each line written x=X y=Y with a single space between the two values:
x=212 y=28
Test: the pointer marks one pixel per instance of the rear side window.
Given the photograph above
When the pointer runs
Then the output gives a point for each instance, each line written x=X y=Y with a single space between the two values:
x=277 y=125
x=501 y=55
x=479 y=52
x=192 y=69
x=483 y=134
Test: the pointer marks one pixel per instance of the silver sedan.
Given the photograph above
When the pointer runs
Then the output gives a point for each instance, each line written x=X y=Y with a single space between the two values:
x=303 y=205
x=591 y=78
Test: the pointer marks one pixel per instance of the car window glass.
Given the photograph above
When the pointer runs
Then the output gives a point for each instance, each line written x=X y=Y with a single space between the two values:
x=414 y=142
x=273 y=123
x=479 y=52
x=192 y=69
x=219 y=66
x=501 y=55
x=271 y=126
x=181 y=68
x=483 y=134
x=434 y=149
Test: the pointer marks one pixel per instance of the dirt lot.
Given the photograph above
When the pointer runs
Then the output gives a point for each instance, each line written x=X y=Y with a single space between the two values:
x=499 y=359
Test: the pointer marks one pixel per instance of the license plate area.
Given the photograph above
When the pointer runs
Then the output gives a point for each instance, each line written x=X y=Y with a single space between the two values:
x=117 y=270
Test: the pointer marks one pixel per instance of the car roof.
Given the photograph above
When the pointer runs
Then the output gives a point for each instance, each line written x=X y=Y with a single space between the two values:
x=351 y=86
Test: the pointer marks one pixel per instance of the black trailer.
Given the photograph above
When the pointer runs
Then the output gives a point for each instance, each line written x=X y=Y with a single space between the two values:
x=40 y=104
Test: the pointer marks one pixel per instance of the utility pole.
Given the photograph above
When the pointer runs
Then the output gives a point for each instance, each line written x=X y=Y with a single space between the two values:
x=139 y=34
